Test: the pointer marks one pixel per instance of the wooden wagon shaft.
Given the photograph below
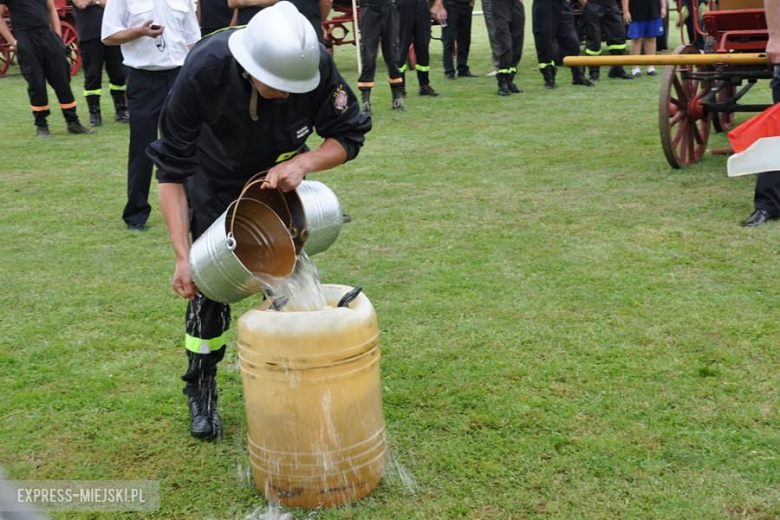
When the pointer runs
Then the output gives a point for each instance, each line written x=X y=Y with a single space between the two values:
x=668 y=59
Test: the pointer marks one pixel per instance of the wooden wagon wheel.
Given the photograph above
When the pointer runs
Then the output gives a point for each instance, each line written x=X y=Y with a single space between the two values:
x=682 y=119
x=71 y=38
x=5 y=60
x=724 y=121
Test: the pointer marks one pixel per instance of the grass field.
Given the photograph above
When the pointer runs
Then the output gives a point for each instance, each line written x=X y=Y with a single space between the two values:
x=570 y=328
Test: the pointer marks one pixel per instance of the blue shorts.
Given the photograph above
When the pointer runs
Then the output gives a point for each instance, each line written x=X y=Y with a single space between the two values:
x=646 y=29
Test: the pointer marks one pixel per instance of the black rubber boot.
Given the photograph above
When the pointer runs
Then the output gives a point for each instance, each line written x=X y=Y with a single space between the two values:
x=403 y=84
x=398 y=98
x=93 y=102
x=548 y=73
x=366 y=106
x=503 y=84
x=74 y=126
x=618 y=72
x=121 y=114
x=578 y=77
x=511 y=84
x=595 y=72
x=201 y=391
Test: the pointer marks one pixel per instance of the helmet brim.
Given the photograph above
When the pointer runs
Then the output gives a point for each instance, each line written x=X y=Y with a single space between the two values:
x=239 y=49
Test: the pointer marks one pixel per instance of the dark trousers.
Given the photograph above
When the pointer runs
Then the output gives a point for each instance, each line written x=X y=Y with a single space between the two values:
x=94 y=57
x=146 y=92
x=41 y=55
x=767 y=195
x=456 y=37
x=379 y=23
x=505 y=22
x=414 y=18
x=554 y=21
x=603 y=17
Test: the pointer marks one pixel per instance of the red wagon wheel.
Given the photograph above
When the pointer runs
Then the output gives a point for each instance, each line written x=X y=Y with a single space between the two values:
x=71 y=38
x=682 y=119
x=724 y=120
x=5 y=60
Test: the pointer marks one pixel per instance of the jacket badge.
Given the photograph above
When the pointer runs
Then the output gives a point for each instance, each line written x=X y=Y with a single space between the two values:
x=340 y=99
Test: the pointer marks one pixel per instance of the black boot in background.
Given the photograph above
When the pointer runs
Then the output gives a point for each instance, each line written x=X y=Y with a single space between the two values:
x=398 y=98
x=121 y=114
x=201 y=391
x=578 y=77
x=366 y=105
x=595 y=73
x=511 y=84
x=548 y=73
x=93 y=102
x=503 y=84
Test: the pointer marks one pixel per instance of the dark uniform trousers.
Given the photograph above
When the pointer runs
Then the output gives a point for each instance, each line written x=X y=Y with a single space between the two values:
x=456 y=37
x=42 y=58
x=94 y=56
x=767 y=195
x=553 y=21
x=603 y=16
x=146 y=92
x=379 y=23
x=505 y=21
x=415 y=28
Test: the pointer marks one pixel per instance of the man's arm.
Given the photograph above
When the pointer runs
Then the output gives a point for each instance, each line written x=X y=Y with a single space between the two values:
x=626 y=12
x=54 y=18
x=438 y=10
x=133 y=33
x=173 y=204
x=83 y=4
x=325 y=8
x=289 y=174
x=237 y=4
x=5 y=32
x=772 y=8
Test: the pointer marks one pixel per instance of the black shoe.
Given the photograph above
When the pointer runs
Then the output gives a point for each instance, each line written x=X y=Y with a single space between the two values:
x=398 y=104
x=77 y=128
x=427 y=90
x=449 y=75
x=367 y=108
x=620 y=73
x=585 y=82
x=42 y=131
x=467 y=74
x=652 y=72
x=122 y=116
x=95 y=119
x=137 y=227
x=201 y=426
x=758 y=217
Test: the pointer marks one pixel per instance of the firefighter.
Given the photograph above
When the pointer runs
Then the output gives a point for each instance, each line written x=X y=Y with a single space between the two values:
x=379 y=22
x=215 y=15
x=598 y=15
x=246 y=100
x=505 y=23
x=37 y=41
x=94 y=56
x=553 y=21
x=414 y=17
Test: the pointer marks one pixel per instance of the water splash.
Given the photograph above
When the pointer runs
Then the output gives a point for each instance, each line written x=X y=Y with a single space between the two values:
x=302 y=287
x=395 y=472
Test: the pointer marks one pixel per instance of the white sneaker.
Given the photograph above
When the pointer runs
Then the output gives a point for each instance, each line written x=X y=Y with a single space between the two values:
x=492 y=73
x=636 y=72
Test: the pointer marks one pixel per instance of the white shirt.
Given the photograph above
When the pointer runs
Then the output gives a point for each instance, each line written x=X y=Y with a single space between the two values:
x=168 y=50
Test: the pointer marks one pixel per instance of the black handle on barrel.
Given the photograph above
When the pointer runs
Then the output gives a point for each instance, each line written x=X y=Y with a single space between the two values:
x=351 y=295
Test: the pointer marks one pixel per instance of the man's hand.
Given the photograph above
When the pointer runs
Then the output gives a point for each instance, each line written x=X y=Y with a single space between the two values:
x=438 y=11
x=146 y=29
x=626 y=17
x=773 y=50
x=12 y=45
x=182 y=280
x=285 y=176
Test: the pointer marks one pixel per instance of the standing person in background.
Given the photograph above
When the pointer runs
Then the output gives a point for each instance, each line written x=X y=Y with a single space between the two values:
x=603 y=17
x=766 y=200
x=645 y=23
x=505 y=23
x=552 y=21
x=215 y=15
x=313 y=10
x=456 y=36
x=379 y=22
x=155 y=38
x=94 y=56
x=37 y=41
x=414 y=20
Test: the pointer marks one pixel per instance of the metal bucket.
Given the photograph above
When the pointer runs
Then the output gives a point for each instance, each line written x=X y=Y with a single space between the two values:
x=247 y=240
x=312 y=213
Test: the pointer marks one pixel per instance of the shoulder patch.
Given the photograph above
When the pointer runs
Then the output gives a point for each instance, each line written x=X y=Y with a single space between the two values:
x=340 y=99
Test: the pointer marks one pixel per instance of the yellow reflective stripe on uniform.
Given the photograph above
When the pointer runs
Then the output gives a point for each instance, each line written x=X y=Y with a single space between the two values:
x=592 y=53
x=395 y=80
x=504 y=71
x=95 y=92
x=621 y=47
x=117 y=87
x=204 y=346
x=422 y=68
x=513 y=70
x=403 y=69
x=66 y=106
x=543 y=65
x=39 y=108
x=288 y=155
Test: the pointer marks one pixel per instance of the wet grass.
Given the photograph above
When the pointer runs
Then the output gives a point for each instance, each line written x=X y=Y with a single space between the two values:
x=570 y=328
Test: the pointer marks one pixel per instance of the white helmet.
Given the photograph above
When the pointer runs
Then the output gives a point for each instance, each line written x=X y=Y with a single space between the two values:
x=280 y=49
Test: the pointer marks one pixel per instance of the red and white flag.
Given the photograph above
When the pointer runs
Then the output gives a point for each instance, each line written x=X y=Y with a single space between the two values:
x=756 y=144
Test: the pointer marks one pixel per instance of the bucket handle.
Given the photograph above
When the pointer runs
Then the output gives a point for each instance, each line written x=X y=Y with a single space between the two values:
x=257 y=178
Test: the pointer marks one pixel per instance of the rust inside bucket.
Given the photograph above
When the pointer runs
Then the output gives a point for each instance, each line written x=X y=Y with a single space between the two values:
x=263 y=242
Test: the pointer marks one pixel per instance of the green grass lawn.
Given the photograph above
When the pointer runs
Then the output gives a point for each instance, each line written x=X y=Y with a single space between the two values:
x=570 y=328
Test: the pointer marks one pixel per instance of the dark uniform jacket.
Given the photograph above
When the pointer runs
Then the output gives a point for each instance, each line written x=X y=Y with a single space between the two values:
x=28 y=14
x=208 y=136
x=88 y=22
